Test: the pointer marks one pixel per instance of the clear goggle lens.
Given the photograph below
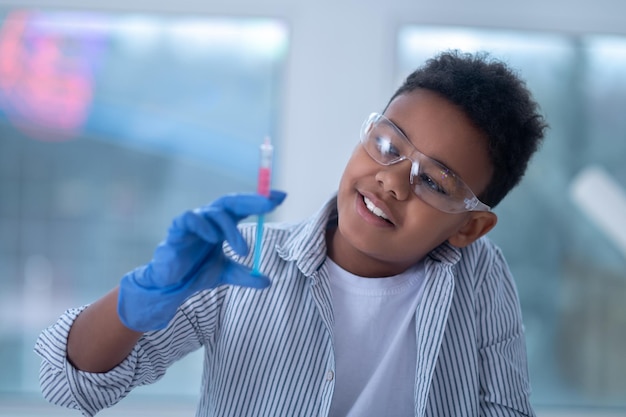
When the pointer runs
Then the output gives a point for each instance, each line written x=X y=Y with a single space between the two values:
x=431 y=181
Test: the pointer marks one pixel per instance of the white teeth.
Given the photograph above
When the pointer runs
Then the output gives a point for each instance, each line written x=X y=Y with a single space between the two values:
x=371 y=207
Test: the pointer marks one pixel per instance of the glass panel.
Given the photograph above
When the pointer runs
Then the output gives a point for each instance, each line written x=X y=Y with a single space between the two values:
x=563 y=230
x=111 y=125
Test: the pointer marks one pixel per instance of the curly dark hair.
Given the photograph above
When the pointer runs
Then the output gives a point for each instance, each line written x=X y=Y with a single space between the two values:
x=497 y=101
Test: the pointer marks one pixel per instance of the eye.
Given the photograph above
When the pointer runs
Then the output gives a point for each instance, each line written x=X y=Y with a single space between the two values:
x=386 y=148
x=427 y=181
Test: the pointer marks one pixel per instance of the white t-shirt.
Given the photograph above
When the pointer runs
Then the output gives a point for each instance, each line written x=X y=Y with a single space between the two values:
x=375 y=348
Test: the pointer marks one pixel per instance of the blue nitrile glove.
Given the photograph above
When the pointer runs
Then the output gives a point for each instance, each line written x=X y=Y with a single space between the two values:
x=191 y=259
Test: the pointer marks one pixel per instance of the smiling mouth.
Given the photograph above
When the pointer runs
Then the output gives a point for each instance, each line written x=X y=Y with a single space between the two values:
x=375 y=210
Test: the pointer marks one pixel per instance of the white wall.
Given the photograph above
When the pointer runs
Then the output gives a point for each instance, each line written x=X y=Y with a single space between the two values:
x=341 y=64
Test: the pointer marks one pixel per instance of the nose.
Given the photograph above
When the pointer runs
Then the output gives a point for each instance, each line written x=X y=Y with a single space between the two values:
x=395 y=179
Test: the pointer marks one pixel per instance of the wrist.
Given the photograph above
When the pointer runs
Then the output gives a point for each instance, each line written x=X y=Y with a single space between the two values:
x=141 y=308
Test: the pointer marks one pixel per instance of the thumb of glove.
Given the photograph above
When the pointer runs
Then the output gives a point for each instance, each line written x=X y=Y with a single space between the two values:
x=237 y=274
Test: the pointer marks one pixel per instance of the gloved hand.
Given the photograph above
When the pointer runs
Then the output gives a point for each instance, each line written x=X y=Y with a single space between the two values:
x=191 y=259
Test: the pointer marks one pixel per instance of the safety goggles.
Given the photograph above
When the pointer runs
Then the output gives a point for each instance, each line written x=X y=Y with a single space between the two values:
x=431 y=181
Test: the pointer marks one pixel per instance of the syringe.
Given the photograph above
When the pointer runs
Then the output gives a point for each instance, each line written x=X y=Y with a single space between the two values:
x=263 y=188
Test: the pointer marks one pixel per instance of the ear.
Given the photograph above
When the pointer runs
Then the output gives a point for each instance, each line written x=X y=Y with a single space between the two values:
x=478 y=224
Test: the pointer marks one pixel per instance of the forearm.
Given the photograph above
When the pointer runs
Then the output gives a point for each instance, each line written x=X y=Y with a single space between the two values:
x=98 y=341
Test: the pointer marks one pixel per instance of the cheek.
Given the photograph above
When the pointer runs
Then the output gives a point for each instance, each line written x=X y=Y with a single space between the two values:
x=417 y=242
x=427 y=229
x=358 y=167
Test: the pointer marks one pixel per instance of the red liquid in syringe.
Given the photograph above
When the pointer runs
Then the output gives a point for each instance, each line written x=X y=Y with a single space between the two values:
x=265 y=168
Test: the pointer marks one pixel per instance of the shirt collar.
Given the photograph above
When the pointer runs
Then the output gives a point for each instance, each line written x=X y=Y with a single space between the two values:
x=307 y=244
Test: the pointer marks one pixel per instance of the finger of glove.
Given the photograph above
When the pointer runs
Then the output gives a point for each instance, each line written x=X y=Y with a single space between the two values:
x=237 y=274
x=226 y=212
x=244 y=205
x=194 y=223
x=277 y=197
x=225 y=224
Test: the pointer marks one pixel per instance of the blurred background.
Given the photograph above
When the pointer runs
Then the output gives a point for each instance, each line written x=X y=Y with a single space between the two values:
x=116 y=116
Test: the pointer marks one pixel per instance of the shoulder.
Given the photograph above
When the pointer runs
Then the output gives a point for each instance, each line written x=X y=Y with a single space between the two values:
x=481 y=250
x=482 y=261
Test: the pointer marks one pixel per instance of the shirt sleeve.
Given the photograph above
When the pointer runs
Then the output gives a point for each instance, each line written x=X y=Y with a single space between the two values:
x=64 y=385
x=504 y=378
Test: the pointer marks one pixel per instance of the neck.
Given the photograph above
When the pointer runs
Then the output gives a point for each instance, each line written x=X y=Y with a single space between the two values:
x=359 y=263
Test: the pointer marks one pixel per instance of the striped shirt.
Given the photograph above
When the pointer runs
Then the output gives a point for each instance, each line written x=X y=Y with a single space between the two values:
x=270 y=352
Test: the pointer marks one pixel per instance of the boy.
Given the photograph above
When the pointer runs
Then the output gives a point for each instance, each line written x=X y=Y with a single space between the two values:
x=387 y=302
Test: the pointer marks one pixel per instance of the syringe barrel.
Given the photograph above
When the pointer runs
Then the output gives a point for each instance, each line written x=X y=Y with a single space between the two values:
x=265 y=168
